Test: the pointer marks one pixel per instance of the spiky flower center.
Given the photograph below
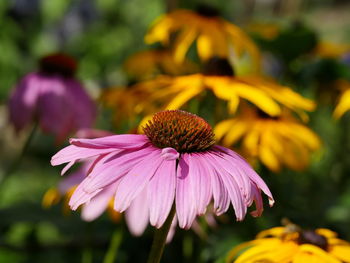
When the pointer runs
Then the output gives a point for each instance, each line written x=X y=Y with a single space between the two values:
x=181 y=130
x=58 y=64
x=311 y=237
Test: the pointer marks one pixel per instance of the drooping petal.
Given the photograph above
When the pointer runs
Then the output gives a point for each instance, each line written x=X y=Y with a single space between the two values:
x=185 y=203
x=137 y=215
x=98 y=204
x=161 y=192
x=136 y=179
x=73 y=153
x=199 y=174
x=112 y=167
x=248 y=170
x=123 y=141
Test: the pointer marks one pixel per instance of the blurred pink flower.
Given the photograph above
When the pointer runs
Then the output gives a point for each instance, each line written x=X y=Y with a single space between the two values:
x=175 y=161
x=53 y=98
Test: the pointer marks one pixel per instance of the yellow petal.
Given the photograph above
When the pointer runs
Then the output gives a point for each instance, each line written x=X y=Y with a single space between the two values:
x=303 y=257
x=257 y=97
x=183 y=42
x=323 y=255
x=267 y=155
x=343 y=105
x=275 y=232
x=183 y=97
x=223 y=128
x=341 y=252
x=326 y=232
x=237 y=131
x=51 y=197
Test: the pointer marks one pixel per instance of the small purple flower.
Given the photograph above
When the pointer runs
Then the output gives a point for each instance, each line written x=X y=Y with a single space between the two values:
x=53 y=98
x=174 y=163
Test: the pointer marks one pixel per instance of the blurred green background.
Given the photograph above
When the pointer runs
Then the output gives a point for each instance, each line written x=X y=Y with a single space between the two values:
x=101 y=34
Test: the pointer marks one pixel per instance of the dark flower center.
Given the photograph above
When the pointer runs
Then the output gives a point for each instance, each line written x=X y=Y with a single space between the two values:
x=207 y=11
x=311 y=237
x=263 y=115
x=218 y=67
x=58 y=64
x=181 y=130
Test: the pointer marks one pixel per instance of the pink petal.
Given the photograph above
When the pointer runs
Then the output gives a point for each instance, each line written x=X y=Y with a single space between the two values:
x=22 y=103
x=80 y=197
x=123 y=141
x=137 y=214
x=136 y=179
x=114 y=166
x=258 y=201
x=74 y=153
x=98 y=204
x=200 y=180
x=232 y=188
x=220 y=194
x=161 y=192
x=185 y=202
x=232 y=166
x=170 y=154
x=248 y=170
x=73 y=179
x=83 y=108
x=172 y=230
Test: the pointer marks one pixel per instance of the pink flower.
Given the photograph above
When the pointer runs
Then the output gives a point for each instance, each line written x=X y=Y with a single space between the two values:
x=53 y=98
x=174 y=163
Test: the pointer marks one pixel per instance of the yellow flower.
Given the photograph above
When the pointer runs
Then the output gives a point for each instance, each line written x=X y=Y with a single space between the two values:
x=288 y=245
x=275 y=141
x=173 y=92
x=149 y=63
x=344 y=100
x=127 y=103
x=214 y=36
x=331 y=50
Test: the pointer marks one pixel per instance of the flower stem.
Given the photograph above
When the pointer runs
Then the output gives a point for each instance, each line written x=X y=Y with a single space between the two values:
x=14 y=166
x=114 y=246
x=159 y=239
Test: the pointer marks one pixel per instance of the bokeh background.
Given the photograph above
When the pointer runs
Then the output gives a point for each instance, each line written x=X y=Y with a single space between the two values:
x=101 y=34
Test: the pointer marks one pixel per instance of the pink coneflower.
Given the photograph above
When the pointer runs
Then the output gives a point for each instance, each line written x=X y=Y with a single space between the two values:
x=53 y=98
x=174 y=163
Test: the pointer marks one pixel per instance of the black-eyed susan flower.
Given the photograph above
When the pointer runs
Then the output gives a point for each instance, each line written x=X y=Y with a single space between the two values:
x=214 y=35
x=275 y=141
x=150 y=63
x=174 y=92
x=292 y=245
x=344 y=99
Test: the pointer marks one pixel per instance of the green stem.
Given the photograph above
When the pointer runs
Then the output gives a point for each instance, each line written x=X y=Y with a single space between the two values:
x=14 y=166
x=87 y=256
x=112 y=251
x=159 y=239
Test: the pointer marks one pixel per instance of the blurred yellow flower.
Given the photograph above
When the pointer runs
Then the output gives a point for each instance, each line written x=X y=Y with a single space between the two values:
x=331 y=50
x=275 y=141
x=289 y=245
x=173 y=92
x=344 y=100
x=149 y=63
x=214 y=36
x=127 y=103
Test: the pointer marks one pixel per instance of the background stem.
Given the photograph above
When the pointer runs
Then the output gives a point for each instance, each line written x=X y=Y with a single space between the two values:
x=159 y=239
